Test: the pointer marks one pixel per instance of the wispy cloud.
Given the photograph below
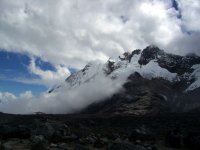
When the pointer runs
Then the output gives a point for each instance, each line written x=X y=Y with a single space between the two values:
x=33 y=72
x=48 y=77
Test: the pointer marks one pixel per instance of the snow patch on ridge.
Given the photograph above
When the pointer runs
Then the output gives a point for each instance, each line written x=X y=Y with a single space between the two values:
x=196 y=75
x=90 y=71
x=149 y=71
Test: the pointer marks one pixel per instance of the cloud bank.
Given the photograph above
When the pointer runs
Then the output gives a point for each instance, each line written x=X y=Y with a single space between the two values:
x=64 y=101
x=74 y=32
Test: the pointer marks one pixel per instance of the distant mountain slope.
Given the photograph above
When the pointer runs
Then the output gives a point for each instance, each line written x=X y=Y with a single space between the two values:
x=149 y=63
x=153 y=82
x=141 y=96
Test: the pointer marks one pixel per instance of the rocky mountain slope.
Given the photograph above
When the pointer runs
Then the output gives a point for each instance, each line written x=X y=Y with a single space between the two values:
x=153 y=82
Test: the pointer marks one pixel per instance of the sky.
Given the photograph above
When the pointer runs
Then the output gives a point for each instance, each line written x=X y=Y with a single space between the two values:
x=43 y=41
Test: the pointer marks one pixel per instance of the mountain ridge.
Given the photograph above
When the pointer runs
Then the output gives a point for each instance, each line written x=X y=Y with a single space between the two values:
x=180 y=67
x=152 y=82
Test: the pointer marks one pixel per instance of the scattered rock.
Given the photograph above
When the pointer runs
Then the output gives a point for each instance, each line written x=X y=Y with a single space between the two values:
x=91 y=139
x=125 y=146
x=38 y=143
x=62 y=146
x=104 y=140
x=101 y=142
x=141 y=134
x=80 y=147
x=53 y=131
x=70 y=138
x=52 y=145
x=15 y=144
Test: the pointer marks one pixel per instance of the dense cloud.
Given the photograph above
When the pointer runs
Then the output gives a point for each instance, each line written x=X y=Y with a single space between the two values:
x=64 y=101
x=77 y=31
x=7 y=98
x=190 y=11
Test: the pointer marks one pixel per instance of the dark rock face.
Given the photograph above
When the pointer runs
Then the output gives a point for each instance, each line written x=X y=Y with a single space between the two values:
x=150 y=53
x=173 y=63
x=127 y=55
x=139 y=96
x=110 y=67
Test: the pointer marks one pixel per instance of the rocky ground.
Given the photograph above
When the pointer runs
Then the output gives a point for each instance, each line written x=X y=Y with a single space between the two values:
x=90 y=132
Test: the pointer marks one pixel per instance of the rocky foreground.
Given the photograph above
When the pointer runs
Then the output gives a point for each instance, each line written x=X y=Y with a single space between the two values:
x=90 y=132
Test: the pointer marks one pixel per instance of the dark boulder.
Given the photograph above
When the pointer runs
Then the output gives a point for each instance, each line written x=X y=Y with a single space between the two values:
x=38 y=143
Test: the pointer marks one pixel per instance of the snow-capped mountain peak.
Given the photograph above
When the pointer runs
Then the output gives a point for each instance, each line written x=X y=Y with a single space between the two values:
x=151 y=62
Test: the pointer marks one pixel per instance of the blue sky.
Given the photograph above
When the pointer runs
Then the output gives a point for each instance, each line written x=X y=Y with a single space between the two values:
x=14 y=69
x=17 y=88
x=175 y=4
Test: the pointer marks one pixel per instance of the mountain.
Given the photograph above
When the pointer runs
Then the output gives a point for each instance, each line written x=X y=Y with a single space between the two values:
x=145 y=100
x=152 y=81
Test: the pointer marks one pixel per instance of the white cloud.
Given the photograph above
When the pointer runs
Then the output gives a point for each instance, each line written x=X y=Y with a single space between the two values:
x=65 y=100
x=6 y=97
x=190 y=11
x=47 y=77
x=74 y=32
x=26 y=95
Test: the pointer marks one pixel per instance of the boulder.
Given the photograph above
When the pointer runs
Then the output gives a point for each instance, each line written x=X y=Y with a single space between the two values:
x=38 y=143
